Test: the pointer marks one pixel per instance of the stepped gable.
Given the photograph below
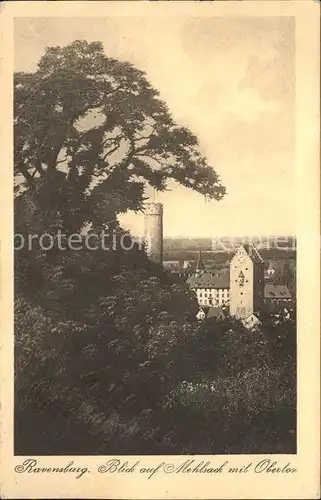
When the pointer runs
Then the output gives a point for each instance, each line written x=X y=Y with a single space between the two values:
x=252 y=251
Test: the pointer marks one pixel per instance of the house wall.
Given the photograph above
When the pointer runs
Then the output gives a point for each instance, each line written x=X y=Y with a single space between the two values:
x=212 y=296
x=277 y=305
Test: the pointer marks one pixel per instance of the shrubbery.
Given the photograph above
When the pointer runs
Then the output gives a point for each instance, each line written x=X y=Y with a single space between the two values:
x=138 y=378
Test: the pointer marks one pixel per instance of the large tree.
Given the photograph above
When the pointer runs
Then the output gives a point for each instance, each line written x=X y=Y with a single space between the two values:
x=97 y=333
x=93 y=131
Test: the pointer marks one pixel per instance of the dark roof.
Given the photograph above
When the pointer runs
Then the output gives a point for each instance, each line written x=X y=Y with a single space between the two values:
x=253 y=252
x=215 y=312
x=276 y=292
x=218 y=279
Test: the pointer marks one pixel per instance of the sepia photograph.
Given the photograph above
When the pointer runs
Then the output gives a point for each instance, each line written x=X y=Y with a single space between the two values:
x=155 y=295
x=160 y=250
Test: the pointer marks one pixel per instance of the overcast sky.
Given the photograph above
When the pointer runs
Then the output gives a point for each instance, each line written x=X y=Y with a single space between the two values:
x=231 y=81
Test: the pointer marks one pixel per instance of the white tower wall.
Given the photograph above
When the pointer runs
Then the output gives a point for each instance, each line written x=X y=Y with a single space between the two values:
x=154 y=231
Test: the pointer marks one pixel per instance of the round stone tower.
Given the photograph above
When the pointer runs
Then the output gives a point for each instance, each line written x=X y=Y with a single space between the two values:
x=154 y=231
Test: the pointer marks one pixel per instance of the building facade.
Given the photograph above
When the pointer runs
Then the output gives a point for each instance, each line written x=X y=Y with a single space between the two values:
x=246 y=282
x=212 y=288
x=277 y=298
x=241 y=287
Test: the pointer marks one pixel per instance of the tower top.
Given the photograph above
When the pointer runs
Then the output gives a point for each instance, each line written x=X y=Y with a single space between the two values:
x=253 y=252
x=153 y=208
x=200 y=264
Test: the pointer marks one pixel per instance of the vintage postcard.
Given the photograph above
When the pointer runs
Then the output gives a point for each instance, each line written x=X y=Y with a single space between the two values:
x=160 y=246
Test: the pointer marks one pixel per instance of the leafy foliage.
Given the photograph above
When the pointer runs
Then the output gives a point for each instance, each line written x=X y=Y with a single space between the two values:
x=161 y=386
x=92 y=131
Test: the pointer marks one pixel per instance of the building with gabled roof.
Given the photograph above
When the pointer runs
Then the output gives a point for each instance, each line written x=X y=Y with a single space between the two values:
x=276 y=292
x=246 y=282
x=251 y=322
x=241 y=287
x=216 y=313
x=277 y=297
x=211 y=288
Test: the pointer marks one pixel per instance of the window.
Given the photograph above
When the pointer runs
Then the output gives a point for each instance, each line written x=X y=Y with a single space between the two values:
x=241 y=279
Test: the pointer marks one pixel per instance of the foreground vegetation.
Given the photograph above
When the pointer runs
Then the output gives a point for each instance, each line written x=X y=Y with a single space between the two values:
x=134 y=374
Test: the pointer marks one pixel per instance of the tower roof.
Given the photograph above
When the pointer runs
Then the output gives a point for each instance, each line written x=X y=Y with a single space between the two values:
x=153 y=208
x=200 y=263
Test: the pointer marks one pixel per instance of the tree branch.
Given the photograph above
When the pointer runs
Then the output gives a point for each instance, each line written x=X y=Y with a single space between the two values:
x=141 y=137
x=145 y=155
x=111 y=151
x=52 y=164
x=25 y=172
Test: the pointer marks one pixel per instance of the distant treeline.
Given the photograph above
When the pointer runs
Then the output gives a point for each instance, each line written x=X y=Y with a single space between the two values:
x=228 y=244
x=220 y=257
